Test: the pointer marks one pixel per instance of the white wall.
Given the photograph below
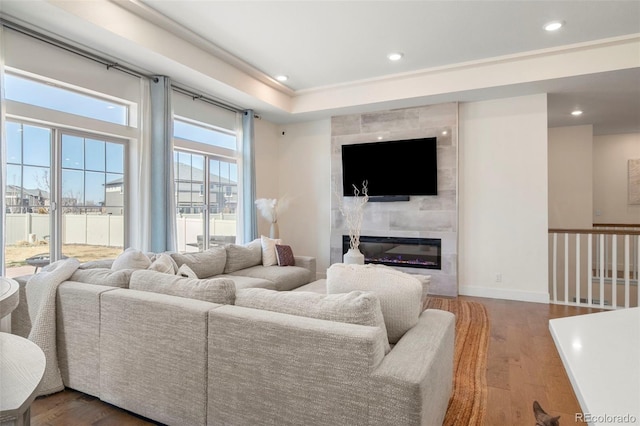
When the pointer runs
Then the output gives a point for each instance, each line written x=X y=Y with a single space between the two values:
x=503 y=199
x=610 y=198
x=571 y=177
x=266 y=155
x=304 y=177
x=296 y=165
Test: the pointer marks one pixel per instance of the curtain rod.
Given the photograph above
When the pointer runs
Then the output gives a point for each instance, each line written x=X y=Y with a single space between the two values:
x=73 y=49
x=199 y=97
x=110 y=64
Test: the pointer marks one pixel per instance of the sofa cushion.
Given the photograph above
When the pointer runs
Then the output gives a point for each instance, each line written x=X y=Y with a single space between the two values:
x=285 y=279
x=243 y=256
x=269 y=250
x=103 y=276
x=206 y=263
x=131 y=259
x=164 y=263
x=249 y=282
x=356 y=307
x=216 y=290
x=400 y=294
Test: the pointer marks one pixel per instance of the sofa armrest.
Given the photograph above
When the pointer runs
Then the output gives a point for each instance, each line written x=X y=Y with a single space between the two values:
x=306 y=262
x=273 y=368
x=413 y=384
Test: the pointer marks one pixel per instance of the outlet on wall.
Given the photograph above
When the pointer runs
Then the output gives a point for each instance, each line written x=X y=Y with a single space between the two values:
x=499 y=277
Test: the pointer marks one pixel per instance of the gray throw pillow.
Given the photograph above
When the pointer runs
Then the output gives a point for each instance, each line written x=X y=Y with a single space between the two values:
x=215 y=290
x=243 y=256
x=103 y=276
x=164 y=263
x=356 y=307
x=204 y=264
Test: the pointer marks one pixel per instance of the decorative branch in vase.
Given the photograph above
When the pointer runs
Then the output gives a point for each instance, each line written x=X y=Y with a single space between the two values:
x=269 y=209
x=353 y=213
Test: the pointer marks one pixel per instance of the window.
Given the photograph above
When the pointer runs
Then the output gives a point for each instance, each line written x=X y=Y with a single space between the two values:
x=190 y=131
x=57 y=97
x=206 y=186
x=72 y=208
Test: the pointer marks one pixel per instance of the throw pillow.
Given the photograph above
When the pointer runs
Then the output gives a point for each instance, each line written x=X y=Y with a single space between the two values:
x=400 y=294
x=356 y=307
x=269 y=250
x=215 y=290
x=131 y=259
x=185 y=271
x=243 y=256
x=206 y=263
x=164 y=263
x=103 y=276
x=284 y=254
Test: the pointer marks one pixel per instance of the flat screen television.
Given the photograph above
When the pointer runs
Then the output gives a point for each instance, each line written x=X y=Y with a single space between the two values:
x=391 y=168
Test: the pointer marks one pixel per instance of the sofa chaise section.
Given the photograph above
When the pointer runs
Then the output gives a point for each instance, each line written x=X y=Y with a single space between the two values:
x=153 y=355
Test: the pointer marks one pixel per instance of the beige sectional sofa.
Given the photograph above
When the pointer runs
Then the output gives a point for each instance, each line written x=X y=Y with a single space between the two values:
x=238 y=359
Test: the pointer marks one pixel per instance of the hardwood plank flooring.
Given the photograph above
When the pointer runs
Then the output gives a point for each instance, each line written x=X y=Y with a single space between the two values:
x=523 y=365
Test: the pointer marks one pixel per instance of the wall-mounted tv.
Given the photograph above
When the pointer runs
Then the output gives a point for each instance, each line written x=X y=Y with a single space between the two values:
x=391 y=168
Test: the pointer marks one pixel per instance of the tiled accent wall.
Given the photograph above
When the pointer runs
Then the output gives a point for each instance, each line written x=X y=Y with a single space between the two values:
x=421 y=216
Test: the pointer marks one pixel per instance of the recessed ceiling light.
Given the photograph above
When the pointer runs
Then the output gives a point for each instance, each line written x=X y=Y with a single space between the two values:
x=282 y=78
x=576 y=112
x=395 y=56
x=444 y=132
x=380 y=138
x=553 y=26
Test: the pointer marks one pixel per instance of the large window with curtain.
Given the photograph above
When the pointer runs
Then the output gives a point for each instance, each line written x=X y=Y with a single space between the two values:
x=206 y=183
x=69 y=125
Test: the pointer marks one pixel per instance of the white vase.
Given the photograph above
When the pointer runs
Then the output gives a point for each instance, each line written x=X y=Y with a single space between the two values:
x=274 y=232
x=353 y=256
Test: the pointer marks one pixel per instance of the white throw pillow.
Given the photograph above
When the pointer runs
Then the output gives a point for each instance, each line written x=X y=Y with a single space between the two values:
x=269 y=257
x=400 y=294
x=185 y=271
x=131 y=259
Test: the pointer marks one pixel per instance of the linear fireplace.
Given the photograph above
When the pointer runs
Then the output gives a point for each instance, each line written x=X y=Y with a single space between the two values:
x=398 y=251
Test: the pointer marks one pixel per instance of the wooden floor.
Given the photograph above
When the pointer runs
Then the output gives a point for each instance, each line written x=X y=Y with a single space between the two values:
x=523 y=366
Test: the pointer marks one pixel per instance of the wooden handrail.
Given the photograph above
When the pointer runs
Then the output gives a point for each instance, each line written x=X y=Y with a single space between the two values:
x=593 y=231
x=617 y=225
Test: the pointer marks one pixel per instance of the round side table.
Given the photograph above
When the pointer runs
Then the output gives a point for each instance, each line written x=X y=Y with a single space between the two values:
x=22 y=365
x=9 y=296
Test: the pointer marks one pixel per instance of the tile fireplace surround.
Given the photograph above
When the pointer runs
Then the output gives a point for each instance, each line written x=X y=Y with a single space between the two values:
x=422 y=216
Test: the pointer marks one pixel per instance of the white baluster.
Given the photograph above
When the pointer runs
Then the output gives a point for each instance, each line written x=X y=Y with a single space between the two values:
x=626 y=271
x=590 y=269
x=602 y=270
x=578 y=269
x=614 y=271
x=555 y=268
x=566 y=268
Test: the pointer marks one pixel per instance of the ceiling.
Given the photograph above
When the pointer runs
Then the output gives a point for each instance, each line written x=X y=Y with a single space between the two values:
x=330 y=46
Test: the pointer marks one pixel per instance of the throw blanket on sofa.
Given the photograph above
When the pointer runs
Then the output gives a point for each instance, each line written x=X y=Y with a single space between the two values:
x=41 y=293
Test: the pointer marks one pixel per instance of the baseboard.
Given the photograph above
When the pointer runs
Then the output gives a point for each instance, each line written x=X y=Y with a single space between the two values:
x=501 y=293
